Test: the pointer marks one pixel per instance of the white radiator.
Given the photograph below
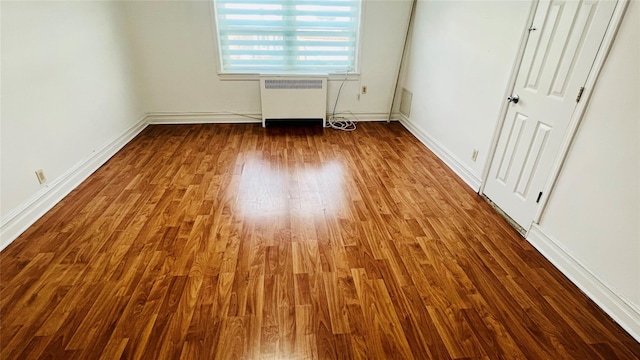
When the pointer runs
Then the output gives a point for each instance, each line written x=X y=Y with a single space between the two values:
x=293 y=98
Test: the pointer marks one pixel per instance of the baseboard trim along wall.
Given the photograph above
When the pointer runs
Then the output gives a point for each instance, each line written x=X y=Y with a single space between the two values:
x=617 y=306
x=362 y=116
x=157 y=118
x=19 y=220
x=202 y=118
x=452 y=161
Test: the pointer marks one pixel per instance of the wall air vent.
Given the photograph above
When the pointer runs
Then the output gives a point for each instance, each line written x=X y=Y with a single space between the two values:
x=405 y=102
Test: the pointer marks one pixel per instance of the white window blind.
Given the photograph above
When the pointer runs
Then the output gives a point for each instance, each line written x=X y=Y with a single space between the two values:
x=287 y=36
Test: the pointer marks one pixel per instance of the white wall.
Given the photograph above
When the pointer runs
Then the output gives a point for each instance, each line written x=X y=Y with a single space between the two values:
x=175 y=47
x=593 y=213
x=462 y=53
x=67 y=93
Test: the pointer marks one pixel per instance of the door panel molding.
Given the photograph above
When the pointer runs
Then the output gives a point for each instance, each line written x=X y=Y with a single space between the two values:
x=515 y=134
x=536 y=148
x=583 y=20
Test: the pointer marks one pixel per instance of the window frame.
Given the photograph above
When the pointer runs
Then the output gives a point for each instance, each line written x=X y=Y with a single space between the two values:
x=250 y=76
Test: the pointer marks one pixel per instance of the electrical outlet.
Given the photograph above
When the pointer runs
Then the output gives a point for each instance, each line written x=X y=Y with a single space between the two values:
x=474 y=155
x=364 y=89
x=40 y=175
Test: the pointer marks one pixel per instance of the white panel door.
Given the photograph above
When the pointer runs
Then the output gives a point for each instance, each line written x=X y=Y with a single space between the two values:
x=563 y=43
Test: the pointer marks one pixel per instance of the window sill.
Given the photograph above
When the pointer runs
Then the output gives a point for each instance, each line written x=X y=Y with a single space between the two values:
x=256 y=77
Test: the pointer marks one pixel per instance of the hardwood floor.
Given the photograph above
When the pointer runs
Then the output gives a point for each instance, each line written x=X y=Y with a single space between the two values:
x=232 y=241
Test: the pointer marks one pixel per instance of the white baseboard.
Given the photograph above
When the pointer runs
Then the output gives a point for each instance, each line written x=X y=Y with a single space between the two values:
x=19 y=220
x=239 y=118
x=202 y=118
x=622 y=310
x=397 y=116
x=363 y=117
x=452 y=161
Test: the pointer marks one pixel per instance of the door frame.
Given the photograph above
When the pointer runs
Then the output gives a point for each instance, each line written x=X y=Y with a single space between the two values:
x=578 y=113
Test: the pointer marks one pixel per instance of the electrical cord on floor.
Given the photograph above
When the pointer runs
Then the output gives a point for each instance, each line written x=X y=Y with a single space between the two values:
x=341 y=122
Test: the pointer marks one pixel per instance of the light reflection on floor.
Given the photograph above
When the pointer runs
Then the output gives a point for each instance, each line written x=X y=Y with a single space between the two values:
x=268 y=189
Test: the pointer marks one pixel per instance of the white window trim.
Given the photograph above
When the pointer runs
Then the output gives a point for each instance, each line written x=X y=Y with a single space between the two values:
x=256 y=77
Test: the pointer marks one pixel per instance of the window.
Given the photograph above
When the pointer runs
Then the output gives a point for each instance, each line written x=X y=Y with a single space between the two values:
x=287 y=36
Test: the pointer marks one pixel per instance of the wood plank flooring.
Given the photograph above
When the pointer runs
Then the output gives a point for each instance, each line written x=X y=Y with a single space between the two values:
x=236 y=242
